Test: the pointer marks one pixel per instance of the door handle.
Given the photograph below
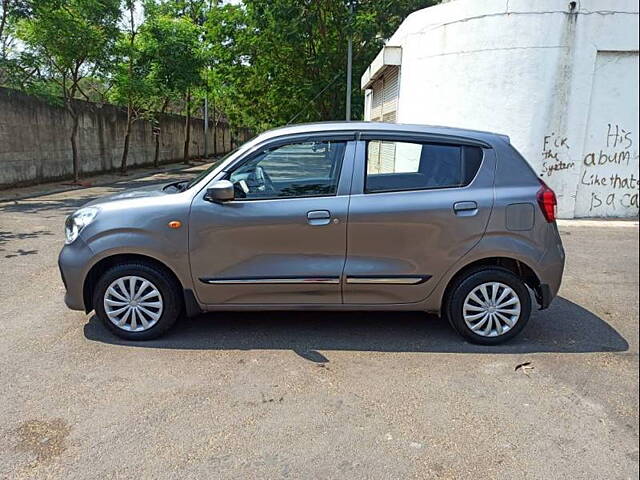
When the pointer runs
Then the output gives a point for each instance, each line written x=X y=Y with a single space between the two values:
x=318 y=217
x=465 y=209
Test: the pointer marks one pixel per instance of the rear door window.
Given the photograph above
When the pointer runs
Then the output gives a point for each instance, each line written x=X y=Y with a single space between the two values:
x=398 y=166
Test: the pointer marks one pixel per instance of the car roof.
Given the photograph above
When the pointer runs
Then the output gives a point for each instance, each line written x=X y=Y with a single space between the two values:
x=380 y=127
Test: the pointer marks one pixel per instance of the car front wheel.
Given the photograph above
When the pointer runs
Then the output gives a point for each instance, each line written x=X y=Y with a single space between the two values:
x=137 y=301
x=489 y=306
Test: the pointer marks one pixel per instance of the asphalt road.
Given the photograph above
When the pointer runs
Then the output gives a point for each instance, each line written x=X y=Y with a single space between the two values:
x=315 y=395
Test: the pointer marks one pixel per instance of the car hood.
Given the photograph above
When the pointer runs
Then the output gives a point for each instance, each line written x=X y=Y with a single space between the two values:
x=144 y=192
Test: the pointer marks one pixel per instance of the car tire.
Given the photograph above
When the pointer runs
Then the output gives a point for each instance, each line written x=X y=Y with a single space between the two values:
x=505 y=313
x=148 y=293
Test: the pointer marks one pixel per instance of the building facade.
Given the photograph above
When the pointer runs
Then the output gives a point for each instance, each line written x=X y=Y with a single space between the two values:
x=559 y=78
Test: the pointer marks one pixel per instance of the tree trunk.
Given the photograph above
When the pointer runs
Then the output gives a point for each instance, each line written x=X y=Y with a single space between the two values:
x=215 y=127
x=215 y=136
x=224 y=143
x=156 y=123
x=156 y=154
x=125 y=150
x=187 y=130
x=74 y=147
x=3 y=20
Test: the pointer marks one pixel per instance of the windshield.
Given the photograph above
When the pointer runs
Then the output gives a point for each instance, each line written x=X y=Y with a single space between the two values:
x=215 y=164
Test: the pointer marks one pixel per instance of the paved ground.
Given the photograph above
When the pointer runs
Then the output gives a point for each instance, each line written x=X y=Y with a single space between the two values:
x=306 y=395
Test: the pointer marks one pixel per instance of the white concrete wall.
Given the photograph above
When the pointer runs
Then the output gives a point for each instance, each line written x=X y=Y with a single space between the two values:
x=561 y=83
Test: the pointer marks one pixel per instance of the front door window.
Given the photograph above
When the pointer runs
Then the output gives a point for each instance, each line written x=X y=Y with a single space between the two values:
x=308 y=169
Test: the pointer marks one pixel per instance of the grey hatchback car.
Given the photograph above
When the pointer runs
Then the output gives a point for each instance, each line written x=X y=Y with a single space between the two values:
x=327 y=216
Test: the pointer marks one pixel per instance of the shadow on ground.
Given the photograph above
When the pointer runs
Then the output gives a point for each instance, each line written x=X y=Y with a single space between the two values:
x=565 y=328
x=6 y=237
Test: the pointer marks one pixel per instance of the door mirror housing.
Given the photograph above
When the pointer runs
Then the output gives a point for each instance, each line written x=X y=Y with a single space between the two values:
x=220 y=191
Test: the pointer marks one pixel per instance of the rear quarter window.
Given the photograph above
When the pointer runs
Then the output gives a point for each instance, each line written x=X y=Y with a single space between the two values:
x=399 y=166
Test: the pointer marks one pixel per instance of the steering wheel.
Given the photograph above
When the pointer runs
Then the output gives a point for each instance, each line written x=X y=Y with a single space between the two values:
x=262 y=181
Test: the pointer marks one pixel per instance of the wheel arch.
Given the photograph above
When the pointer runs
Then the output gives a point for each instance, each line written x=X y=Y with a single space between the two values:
x=519 y=268
x=96 y=271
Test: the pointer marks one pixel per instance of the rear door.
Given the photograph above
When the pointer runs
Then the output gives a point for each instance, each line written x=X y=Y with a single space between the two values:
x=418 y=204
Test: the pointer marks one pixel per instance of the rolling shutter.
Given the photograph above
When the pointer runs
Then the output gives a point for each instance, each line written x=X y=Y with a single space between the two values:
x=387 y=157
x=381 y=157
x=384 y=103
x=391 y=89
x=373 y=156
x=376 y=101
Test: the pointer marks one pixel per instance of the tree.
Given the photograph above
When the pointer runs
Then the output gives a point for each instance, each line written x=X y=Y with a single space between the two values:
x=173 y=48
x=193 y=12
x=130 y=85
x=262 y=63
x=285 y=59
x=5 y=17
x=4 y=20
x=10 y=12
x=226 y=39
x=70 y=40
x=213 y=91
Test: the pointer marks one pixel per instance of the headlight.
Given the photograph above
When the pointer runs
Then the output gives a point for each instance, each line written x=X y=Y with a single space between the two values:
x=75 y=222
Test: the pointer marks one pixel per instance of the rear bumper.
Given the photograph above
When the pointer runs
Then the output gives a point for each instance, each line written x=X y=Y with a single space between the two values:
x=550 y=273
x=544 y=295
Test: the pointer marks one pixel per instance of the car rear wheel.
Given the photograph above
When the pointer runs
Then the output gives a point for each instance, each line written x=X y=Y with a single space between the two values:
x=489 y=306
x=137 y=301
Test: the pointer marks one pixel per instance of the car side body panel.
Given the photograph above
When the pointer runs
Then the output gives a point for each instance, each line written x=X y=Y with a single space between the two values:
x=535 y=242
x=408 y=234
x=132 y=226
x=508 y=224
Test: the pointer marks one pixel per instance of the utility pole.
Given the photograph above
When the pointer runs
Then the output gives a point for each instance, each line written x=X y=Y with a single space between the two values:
x=349 y=64
x=206 y=126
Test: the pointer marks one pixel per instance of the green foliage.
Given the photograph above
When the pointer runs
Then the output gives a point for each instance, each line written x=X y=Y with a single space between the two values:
x=10 y=12
x=174 y=47
x=67 y=40
x=194 y=10
x=272 y=57
x=131 y=83
x=68 y=34
x=261 y=62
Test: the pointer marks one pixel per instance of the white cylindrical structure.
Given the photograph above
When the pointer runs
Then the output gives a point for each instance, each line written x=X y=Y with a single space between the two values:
x=559 y=78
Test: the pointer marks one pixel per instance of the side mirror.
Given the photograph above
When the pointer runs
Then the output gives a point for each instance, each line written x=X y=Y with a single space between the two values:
x=220 y=191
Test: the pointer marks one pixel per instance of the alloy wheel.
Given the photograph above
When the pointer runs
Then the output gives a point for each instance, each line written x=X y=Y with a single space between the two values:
x=133 y=303
x=491 y=309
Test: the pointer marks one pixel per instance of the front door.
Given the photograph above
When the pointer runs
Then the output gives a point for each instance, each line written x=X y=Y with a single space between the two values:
x=417 y=207
x=282 y=240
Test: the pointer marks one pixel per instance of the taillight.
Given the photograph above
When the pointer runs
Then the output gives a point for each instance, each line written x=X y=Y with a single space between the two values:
x=548 y=202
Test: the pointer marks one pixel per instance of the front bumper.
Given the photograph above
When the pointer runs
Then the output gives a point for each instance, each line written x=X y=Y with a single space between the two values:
x=74 y=261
